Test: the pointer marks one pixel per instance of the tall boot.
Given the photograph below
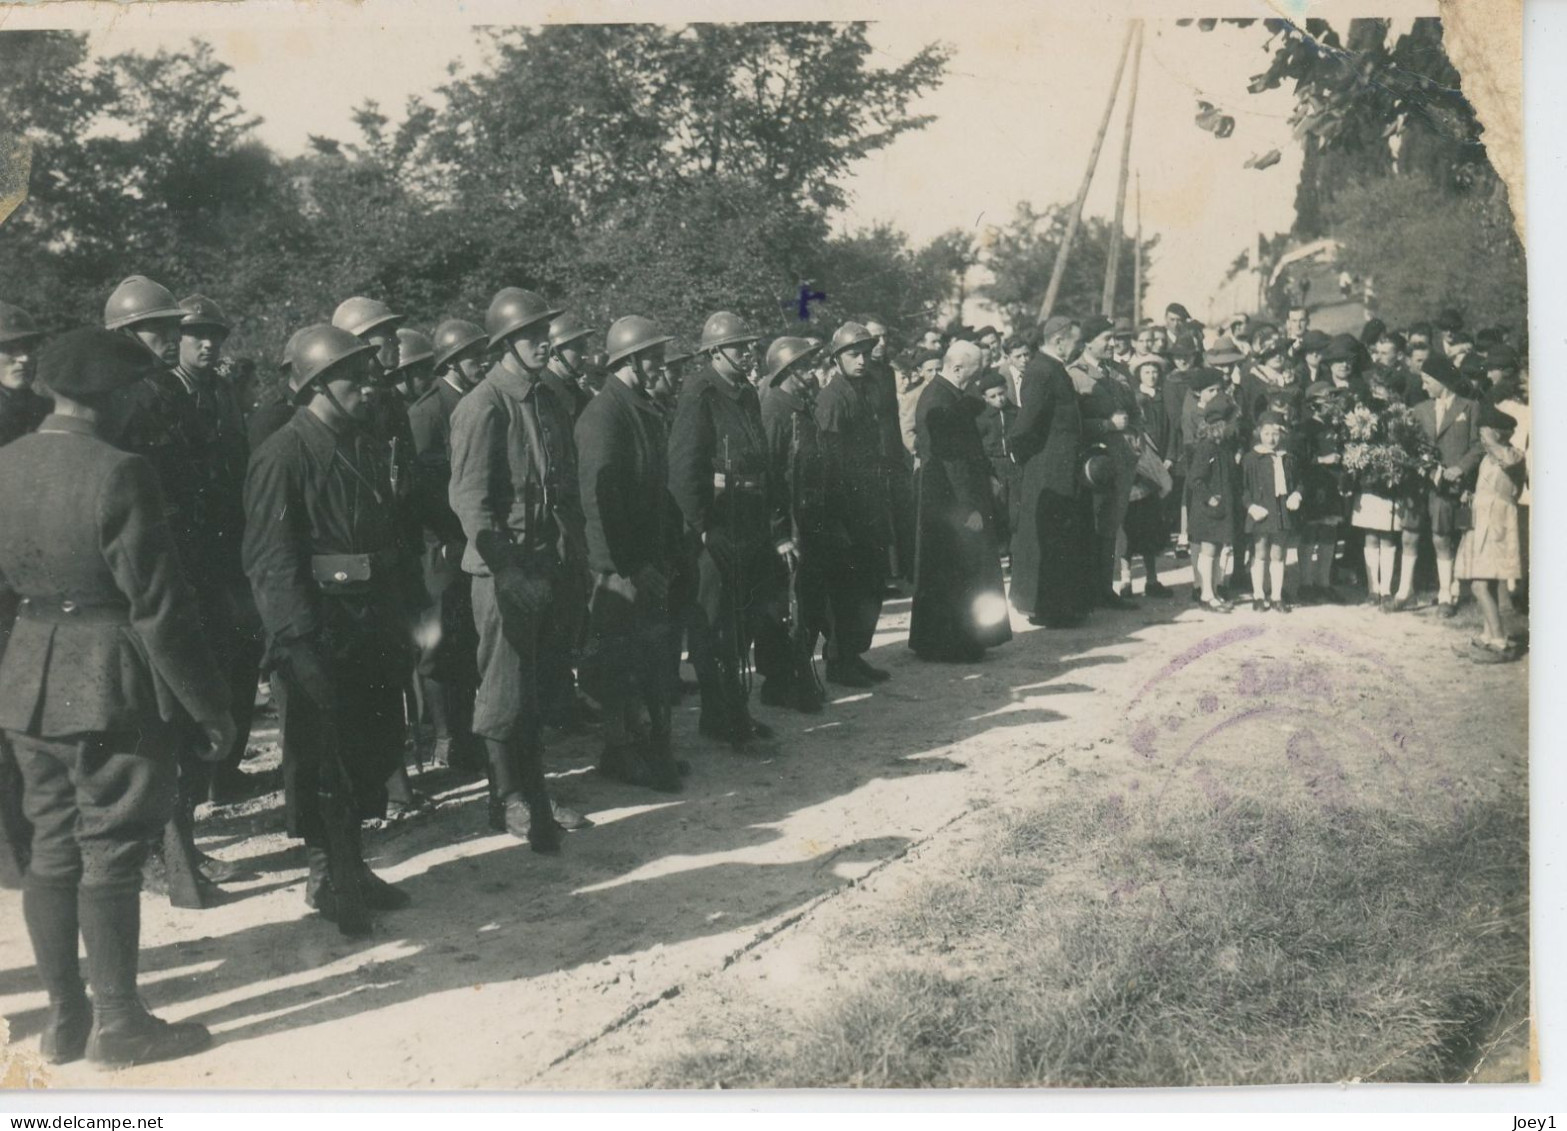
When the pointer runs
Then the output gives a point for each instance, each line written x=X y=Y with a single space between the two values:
x=379 y=894
x=345 y=880
x=123 y=1032
x=544 y=833
x=50 y=911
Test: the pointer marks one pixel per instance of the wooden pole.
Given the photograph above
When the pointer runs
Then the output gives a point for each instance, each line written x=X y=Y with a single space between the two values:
x=1059 y=270
x=1113 y=260
x=1137 y=252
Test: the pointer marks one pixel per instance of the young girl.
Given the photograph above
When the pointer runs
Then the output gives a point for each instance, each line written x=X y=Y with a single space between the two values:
x=1491 y=553
x=1211 y=488
x=1270 y=495
x=1321 y=513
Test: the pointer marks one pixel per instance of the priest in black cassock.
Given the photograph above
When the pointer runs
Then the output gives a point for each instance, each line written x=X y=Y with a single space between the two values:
x=960 y=605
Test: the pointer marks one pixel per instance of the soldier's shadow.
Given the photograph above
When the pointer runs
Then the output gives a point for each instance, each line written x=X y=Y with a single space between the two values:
x=637 y=880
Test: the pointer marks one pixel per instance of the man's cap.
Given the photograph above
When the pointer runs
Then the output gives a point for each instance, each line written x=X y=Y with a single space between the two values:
x=1054 y=325
x=1314 y=341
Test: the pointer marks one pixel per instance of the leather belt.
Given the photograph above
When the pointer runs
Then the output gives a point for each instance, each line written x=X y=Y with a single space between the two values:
x=64 y=610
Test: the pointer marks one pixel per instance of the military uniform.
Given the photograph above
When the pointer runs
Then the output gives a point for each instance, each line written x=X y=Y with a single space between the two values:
x=513 y=487
x=104 y=673
x=334 y=584
x=847 y=415
x=21 y=411
x=808 y=510
x=447 y=668
x=718 y=475
x=631 y=525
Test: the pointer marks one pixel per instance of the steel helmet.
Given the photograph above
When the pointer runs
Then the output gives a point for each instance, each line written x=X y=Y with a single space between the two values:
x=315 y=350
x=359 y=315
x=677 y=356
x=783 y=353
x=292 y=347
x=847 y=336
x=454 y=337
x=16 y=325
x=514 y=309
x=139 y=299
x=413 y=347
x=724 y=329
x=202 y=311
x=567 y=328
x=629 y=335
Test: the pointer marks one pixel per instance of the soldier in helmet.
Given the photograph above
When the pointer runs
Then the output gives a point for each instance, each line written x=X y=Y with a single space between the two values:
x=566 y=374
x=807 y=512
x=415 y=371
x=514 y=488
x=447 y=668
x=160 y=419
x=218 y=526
x=274 y=413
x=847 y=412
x=377 y=326
x=21 y=408
x=334 y=584
x=632 y=531
x=718 y=476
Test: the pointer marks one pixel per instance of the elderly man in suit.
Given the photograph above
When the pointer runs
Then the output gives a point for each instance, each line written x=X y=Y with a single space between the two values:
x=1051 y=545
x=106 y=677
x=1452 y=423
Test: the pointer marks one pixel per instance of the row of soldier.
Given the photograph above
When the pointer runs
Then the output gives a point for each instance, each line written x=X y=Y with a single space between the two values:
x=449 y=528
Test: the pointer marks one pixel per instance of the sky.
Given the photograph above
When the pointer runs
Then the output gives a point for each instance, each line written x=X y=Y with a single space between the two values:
x=1014 y=120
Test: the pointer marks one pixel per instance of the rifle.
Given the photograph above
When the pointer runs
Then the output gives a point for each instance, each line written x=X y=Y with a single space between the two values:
x=741 y=657
x=804 y=642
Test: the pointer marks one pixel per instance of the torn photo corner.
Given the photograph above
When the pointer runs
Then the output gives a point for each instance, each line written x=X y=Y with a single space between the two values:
x=1091 y=649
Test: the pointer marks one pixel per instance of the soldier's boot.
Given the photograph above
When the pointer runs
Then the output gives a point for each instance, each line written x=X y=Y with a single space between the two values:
x=379 y=894
x=50 y=911
x=544 y=832
x=123 y=1032
x=341 y=899
x=665 y=770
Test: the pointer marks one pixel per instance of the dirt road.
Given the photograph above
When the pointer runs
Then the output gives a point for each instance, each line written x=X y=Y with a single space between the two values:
x=513 y=970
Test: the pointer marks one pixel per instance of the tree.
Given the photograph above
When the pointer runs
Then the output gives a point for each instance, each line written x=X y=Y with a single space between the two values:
x=1366 y=109
x=949 y=257
x=1447 y=250
x=1023 y=253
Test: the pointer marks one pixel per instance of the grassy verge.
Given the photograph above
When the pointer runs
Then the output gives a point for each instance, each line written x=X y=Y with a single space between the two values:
x=1253 y=944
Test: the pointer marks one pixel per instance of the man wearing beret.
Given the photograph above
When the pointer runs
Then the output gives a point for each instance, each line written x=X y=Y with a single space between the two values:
x=1050 y=547
x=1452 y=423
x=106 y=677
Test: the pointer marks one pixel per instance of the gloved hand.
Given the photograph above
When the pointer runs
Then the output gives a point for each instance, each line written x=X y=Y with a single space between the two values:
x=651 y=586
x=516 y=590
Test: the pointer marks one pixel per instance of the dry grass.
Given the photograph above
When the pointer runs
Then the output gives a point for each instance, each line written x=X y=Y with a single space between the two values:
x=1251 y=944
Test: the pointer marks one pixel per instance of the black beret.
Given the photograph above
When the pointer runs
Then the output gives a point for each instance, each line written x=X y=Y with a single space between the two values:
x=1199 y=379
x=1094 y=325
x=990 y=379
x=1344 y=347
x=1502 y=357
x=1493 y=417
x=1441 y=370
x=1314 y=341
x=84 y=364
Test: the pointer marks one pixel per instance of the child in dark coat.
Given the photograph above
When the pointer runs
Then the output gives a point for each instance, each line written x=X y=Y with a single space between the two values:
x=1005 y=475
x=1213 y=489
x=1270 y=495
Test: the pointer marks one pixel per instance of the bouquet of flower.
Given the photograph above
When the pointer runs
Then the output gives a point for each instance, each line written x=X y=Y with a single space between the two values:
x=1387 y=453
